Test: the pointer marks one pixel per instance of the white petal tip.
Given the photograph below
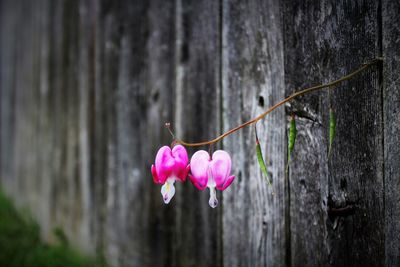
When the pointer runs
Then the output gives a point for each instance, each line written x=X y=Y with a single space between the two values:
x=167 y=199
x=168 y=191
x=213 y=203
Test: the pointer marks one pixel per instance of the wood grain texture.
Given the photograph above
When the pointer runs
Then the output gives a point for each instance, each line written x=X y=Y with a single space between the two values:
x=391 y=118
x=322 y=43
x=133 y=88
x=197 y=117
x=254 y=221
x=308 y=170
x=87 y=85
x=161 y=48
x=45 y=130
x=91 y=119
x=7 y=92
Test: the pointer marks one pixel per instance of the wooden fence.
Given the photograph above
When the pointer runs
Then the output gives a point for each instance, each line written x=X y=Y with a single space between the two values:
x=86 y=87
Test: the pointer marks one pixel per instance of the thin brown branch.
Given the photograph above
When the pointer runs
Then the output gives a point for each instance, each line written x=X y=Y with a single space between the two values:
x=300 y=93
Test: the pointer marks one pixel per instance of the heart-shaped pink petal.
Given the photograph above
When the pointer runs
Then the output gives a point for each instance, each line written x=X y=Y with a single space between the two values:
x=180 y=156
x=170 y=163
x=164 y=163
x=227 y=183
x=199 y=165
x=220 y=168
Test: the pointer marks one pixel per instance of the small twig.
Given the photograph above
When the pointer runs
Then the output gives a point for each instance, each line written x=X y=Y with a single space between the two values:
x=168 y=126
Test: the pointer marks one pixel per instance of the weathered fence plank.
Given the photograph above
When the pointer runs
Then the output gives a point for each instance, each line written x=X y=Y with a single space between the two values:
x=254 y=220
x=391 y=118
x=133 y=88
x=161 y=50
x=197 y=117
x=307 y=171
x=7 y=74
x=321 y=44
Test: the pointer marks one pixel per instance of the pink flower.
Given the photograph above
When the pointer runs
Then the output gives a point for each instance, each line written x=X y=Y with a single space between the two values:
x=169 y=167
x=211 y=172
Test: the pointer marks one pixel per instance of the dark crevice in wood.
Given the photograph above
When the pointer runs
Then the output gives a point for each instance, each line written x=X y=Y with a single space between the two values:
x=298 y=109
x=341 y=212
x=288 y=222
x=220 y=246
x=382 y=99
x=391 y=121
x=91 y=114
x=185 y=27
x=284 y=7
x=379 y=29
x=288 y=242
x=221 y=67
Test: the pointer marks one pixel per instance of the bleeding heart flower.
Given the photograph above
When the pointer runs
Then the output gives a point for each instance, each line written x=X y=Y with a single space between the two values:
x=211 y=172
x=170 y=165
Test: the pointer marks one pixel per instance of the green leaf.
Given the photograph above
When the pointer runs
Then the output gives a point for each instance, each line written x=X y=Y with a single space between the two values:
x=332 y=129
x=261 y=162
x=260 y=158
x=292 y=139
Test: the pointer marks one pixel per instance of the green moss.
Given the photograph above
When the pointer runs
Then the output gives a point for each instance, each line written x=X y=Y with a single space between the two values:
x=21 y=246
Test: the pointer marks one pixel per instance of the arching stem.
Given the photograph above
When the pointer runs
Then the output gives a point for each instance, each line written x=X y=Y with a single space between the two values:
x=300 y=93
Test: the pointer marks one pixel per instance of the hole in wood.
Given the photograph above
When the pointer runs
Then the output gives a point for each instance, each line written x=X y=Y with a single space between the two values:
x=343 y=183
x=261 y=101
x=156 y=94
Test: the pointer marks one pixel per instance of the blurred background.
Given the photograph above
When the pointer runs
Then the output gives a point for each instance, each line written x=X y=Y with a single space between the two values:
x=86 y=87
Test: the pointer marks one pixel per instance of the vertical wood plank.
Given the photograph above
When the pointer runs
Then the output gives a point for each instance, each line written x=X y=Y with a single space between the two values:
x=254 y=220
x=391 y=110
x=8 y=68
x=322 y=42
x=136 y=54
x=123 y=103
x=197 y=117
x=160 y=83
x=85 y=84
x=307 y=170
x=3 y=111
x=60 y=114
x=43 y=120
